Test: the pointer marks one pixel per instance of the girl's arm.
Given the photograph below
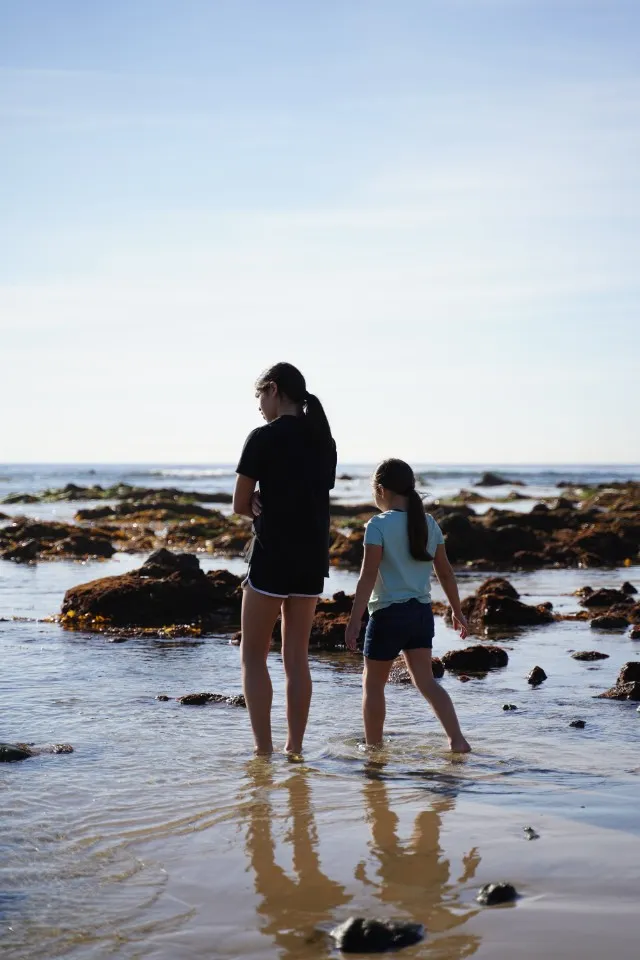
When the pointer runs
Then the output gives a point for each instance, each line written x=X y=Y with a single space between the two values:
x=366 y=583
x=447 y=578
x=246 y=502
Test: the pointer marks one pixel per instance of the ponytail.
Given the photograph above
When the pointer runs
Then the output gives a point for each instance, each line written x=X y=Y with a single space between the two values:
x=317 y=418
x=397 y=476
x=417 y=527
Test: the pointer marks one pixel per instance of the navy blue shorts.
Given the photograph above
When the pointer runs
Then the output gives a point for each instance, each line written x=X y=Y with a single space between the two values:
x=401 y=626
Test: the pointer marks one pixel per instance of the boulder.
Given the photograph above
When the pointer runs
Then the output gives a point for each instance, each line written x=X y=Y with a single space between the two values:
x=475 y=659
x=536 y=677
x=10 y=752
x=628 y=588
x=627 y=686
x=608 y=622
x=498 y=586
x=635 y=633
x=603 y=598
x=168 y=589
x=492 y=480
x=364 y=935
x=493 y=893
x=578 y=724
x=200 y=699
x=495 y=605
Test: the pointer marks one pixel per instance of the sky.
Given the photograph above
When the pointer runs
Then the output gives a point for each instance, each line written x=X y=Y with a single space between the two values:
x=432 y=207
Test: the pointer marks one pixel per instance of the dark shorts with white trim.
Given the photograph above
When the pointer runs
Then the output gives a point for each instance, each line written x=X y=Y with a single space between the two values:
x=400 y=626
x=274 y=581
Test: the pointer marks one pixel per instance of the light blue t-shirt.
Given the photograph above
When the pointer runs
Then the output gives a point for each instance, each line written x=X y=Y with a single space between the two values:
x=400 y=577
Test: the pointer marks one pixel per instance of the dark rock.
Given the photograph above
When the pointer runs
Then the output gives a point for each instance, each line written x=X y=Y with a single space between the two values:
x=15 y=498
x=536 y=677
x=504 y=611
x=509 y=706
x=475 y=659
x=491 y=480
x=347 y=550
x=168 y=589
x=578 y=724
x=627 y=685
x=635 y=633
x=604 y=598
x=200 y=699
x=609 y=623
x=163 y=697
x=10 y=752
x=24 y=552
x=498 y=586
x=400 y=674
x=531 y=834
x=628 y=588
x=361 y=935
x=95 y=513
x=493 y=893
x=589 y=655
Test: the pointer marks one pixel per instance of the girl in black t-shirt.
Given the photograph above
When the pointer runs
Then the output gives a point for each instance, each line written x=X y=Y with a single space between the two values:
x=292 y=459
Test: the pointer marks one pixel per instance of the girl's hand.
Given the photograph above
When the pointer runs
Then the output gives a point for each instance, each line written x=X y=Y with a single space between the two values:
x=351 y=634
x=256 y=504
x=460 y=624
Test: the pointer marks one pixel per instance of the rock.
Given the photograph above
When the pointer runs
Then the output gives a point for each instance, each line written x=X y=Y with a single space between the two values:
x=604 y=598
x=635 y=633
x=169 y=589
x=493 y=893
x=589 y=655
x=530 y=833
x=17 y=498
x=609 y=623
x=24 y=552
x=464 y=678
x=163 y=697
x=95 y=513
x=536 y=677
x=10 y=752
x=399 y=673
x=491 y=480
x=509 y=706
x=497 y=586
x=344 y=476
x=627 y=685
x=628 y=588
x=200 y=699
x=347 y=550
x=578 y=724
x=475 y=659
x=361 y=935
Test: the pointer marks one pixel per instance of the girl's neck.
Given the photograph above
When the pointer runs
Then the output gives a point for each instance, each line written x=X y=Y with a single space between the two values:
x=289 y=409
x=396 y=502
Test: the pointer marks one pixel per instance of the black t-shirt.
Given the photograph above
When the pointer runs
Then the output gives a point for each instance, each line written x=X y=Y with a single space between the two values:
x=295 y=471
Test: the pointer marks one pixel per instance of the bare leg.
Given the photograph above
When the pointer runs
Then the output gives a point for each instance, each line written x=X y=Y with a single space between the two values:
x=419 y=664
x=297 y=617
x=374 y=679
x=259 y=615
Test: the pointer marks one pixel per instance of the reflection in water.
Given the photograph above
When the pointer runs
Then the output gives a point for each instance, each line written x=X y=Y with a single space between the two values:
x=409 y=879
x=415 y=877
x=292 y=908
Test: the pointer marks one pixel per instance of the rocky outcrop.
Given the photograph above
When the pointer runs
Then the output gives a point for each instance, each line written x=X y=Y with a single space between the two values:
x=169 y=589
x=536 y=677
x=200 y=699
x=496 y=605
x=609 y=622
x=627 y=686
x=492 y=480
x=475 y=659
x=603 y=598
x=347 y=550
x=25 y=541
x=589 y=655
x=10 y=752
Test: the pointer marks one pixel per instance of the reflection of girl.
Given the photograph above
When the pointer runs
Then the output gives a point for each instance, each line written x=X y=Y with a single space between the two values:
x=401 y=546
x=290 y=907
x=293 y=459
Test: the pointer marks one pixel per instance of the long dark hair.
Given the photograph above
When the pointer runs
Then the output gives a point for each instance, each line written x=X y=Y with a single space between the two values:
x=397 y=476
x=292 y=385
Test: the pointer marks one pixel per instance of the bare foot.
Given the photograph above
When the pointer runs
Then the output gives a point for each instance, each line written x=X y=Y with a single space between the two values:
x=459 y=745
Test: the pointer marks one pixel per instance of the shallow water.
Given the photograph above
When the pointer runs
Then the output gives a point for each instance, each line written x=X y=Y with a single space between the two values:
x=160 y=837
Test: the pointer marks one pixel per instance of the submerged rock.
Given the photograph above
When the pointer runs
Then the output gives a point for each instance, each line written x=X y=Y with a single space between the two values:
x=609 y=622
x=361 y=935
x=509 y=706
x=578 y=724
x=531 y=834
x=10 y=752
x=589 y=655
x=200 y=699
x=475 y=659
x=27 y=540
x=493 y=893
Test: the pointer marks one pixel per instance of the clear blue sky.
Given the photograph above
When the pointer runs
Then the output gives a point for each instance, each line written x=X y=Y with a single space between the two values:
x=433 y=208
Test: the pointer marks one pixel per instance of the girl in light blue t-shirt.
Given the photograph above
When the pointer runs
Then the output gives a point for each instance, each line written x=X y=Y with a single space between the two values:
x=401 y=546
